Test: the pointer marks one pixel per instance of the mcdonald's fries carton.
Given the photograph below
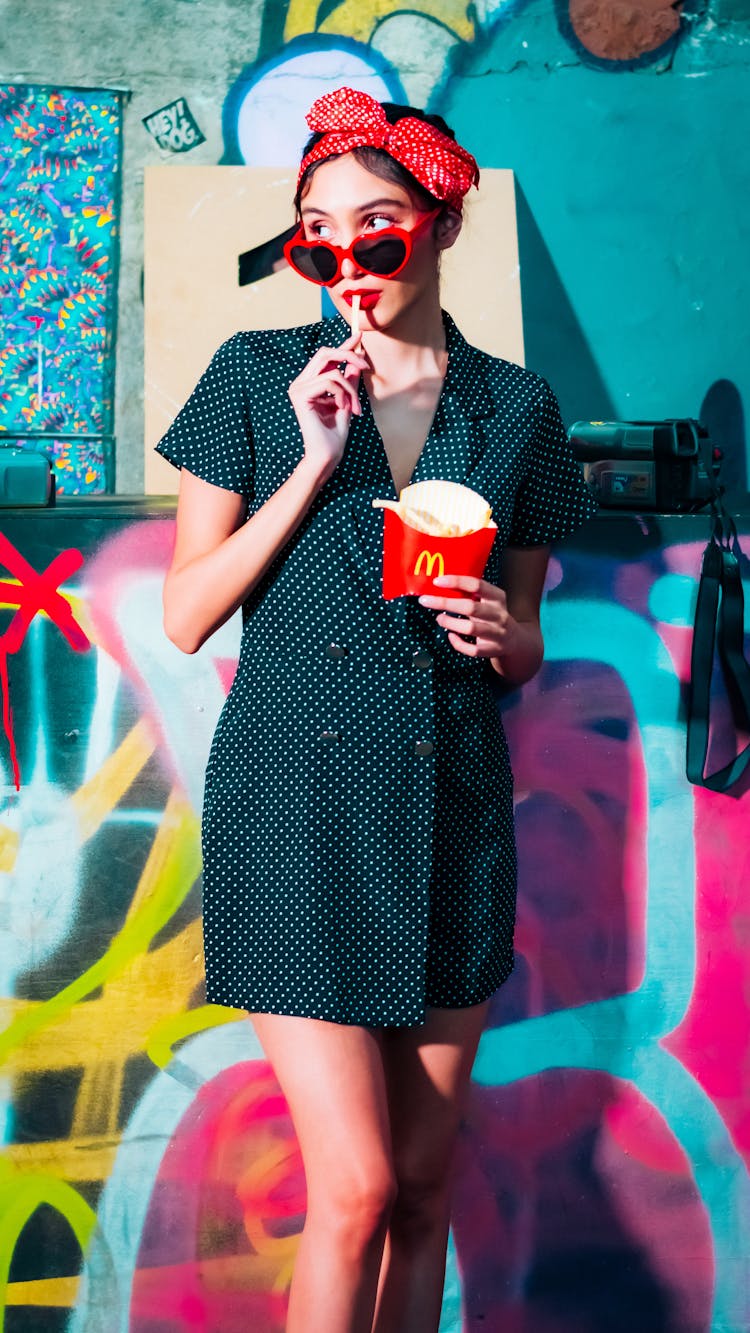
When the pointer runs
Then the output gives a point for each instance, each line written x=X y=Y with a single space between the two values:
x=435 y=527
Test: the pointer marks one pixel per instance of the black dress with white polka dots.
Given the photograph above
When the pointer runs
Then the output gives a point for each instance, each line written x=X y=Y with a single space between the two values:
x=357 y=835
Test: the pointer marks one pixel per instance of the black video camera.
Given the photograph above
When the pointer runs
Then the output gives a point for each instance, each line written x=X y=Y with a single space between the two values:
x=670 y=466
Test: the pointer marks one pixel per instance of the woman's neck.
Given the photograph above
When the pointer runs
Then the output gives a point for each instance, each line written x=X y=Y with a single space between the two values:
x=412 y=348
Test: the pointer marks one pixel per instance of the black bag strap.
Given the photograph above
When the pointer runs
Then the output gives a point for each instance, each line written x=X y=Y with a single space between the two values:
x=720 y=573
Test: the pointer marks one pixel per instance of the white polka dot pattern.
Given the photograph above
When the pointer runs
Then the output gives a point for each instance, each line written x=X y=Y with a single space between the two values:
x=358 y=849
x=211 y=434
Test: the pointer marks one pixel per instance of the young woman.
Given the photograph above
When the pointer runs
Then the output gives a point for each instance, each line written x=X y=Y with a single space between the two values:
x=358 y=850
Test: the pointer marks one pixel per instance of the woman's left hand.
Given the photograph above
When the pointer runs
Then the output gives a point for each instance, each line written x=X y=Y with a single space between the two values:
x=483 y=613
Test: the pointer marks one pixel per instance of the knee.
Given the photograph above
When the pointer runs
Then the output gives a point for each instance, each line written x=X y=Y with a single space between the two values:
x=423 y=1195
x=356 y=1209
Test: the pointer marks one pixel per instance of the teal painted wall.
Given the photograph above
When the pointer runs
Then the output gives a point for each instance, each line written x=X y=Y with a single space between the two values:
x=634 y=218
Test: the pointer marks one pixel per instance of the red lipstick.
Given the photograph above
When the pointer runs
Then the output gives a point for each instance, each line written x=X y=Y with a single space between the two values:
x=367 y=299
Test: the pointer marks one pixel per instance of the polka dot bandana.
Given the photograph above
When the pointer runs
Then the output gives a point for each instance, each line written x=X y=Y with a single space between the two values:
x=349 y=119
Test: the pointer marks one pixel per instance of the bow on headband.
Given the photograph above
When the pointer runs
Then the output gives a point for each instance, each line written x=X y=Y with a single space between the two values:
x=349 y=119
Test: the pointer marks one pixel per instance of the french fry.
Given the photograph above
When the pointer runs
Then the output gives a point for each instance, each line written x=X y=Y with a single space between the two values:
x=421 y=519
x=424 y=521
x=356 y=299
x=442 y=508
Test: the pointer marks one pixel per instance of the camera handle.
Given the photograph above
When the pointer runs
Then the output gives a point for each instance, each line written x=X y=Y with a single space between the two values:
x=724 y=624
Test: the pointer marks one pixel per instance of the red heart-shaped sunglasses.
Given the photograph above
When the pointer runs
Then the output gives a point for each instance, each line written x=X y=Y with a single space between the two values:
x=383 y=252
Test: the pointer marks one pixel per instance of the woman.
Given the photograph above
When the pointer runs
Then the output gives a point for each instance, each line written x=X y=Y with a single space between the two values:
x=359 y=861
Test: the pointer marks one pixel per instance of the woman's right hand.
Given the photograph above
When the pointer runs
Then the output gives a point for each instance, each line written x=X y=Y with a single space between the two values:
x=324 y=398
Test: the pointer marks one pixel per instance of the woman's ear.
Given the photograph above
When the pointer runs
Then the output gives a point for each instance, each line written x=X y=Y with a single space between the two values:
x=447 y=228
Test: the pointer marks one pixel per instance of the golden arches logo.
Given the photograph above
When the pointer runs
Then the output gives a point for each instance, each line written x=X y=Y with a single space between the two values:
x=430 y=560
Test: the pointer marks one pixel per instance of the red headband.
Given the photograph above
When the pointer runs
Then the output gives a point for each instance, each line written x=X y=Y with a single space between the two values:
x=349 y=119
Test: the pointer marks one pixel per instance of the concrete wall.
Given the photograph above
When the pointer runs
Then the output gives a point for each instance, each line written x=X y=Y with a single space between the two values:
x=625 y=126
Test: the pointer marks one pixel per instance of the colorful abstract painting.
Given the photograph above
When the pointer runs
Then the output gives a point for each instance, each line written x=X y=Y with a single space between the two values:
x=59 y=213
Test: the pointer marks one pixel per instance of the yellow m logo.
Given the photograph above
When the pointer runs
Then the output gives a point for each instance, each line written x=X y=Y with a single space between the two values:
x=430 y=560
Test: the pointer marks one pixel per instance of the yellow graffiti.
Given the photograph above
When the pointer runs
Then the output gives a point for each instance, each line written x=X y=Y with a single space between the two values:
x=116 y=1024
x=75 y=1159
x=100 y=1036
x=77 y=605
x=171 y=868
x=20 y=1196
x=50 y=1292
x=358 y=20
x=141 y=995
x=261 y=1181
x=431 y=559
x=93 y=801
x=160 y=1043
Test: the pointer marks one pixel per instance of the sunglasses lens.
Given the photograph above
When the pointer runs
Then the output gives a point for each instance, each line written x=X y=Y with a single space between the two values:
x=316 y=262
x=379 y=255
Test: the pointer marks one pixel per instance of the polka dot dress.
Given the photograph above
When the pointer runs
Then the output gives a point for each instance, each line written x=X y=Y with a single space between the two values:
x=358 y=848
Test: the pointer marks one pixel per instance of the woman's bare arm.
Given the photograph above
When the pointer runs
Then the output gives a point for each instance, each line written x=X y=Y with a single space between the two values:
x=523 y=573
x=218 y=558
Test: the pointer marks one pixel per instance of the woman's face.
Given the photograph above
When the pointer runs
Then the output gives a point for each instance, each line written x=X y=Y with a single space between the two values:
x=344 y=200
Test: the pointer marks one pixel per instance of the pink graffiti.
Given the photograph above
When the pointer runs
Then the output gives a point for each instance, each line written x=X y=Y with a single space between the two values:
x=713 y=1039
x=33 y=593
x=228 y=1201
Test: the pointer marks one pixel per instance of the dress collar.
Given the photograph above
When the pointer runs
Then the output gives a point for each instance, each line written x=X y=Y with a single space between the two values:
x=466 y=378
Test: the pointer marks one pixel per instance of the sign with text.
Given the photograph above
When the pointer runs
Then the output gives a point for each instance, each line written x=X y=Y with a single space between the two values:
x=174 y=127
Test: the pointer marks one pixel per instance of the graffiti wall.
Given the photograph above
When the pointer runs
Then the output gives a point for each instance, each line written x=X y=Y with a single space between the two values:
x=151 y=1178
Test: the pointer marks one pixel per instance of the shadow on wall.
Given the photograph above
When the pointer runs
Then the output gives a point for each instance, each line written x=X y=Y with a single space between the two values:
x=722 y=413
x=555 y=346
x=591 y=1289
x=554 y=342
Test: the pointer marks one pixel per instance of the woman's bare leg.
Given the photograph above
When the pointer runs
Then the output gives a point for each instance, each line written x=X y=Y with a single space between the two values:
x=427 y=1072
x=331 y=1075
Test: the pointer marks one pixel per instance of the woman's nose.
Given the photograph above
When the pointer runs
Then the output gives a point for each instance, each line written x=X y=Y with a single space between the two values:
x=349 y=269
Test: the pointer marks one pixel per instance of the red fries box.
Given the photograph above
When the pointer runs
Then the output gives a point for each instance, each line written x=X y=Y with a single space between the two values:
x=435 y=527
x=412 y=558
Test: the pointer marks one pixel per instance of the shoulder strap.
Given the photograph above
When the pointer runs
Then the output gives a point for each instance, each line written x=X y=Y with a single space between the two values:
x=719 y=617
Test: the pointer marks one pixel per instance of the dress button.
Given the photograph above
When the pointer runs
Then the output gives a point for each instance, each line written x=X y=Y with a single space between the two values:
x=336 y=650
x=329 y=736
x=424 y=747
x=422 y=660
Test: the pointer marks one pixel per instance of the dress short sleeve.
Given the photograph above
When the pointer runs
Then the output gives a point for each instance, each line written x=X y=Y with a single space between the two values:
x=211 y=434
x=553 y=499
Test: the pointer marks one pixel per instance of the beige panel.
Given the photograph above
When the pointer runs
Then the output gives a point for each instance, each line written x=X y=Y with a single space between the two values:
x=481 y=276
x=199 y=219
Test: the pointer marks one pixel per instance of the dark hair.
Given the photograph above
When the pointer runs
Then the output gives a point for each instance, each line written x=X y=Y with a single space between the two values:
x=379 y=162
